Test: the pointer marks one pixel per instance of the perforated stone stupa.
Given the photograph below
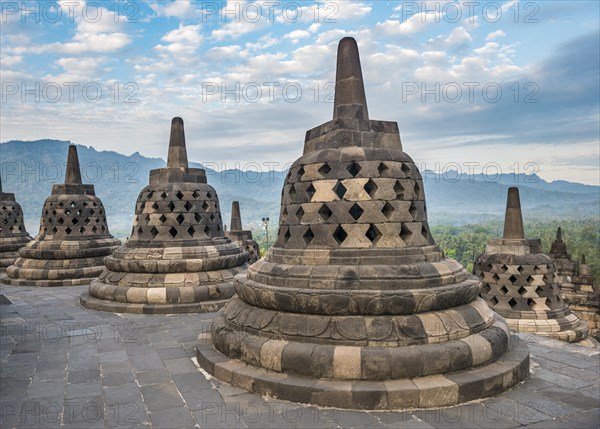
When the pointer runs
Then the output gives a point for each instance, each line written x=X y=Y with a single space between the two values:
x=519 y=284
x=177 y=259
x=355 y=306
x=13 y=235
x=241 y=236
x=73 y=239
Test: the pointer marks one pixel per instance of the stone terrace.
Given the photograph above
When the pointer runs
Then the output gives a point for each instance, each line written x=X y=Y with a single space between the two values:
x=63 y=365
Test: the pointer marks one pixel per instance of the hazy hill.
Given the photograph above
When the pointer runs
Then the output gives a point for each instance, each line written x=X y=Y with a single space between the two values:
x=30 y=168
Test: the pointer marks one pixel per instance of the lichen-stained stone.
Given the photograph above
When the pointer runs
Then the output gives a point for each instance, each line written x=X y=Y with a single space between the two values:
x=355 y=306
x=73 y=239
x=13 y=235
x=240 y=236
x=177 y=259
x=519 y=281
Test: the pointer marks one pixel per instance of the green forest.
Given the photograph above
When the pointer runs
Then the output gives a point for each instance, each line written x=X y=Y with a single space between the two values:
x=464 y=243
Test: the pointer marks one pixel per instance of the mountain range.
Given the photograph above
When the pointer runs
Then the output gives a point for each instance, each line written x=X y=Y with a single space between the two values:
x=29 y=168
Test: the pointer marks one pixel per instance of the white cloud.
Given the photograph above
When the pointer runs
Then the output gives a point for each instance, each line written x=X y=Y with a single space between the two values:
x=183 y=40
x=182 y=9
x=296 y=35
x=495 y=35
x=415 y=24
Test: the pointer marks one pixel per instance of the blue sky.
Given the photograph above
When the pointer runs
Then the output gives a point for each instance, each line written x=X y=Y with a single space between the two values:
x=473 y=85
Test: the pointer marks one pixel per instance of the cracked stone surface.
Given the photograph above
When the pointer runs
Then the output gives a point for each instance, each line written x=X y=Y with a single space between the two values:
x=63 y=365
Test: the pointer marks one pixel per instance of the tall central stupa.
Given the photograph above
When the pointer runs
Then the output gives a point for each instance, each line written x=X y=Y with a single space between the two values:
x=355 y=306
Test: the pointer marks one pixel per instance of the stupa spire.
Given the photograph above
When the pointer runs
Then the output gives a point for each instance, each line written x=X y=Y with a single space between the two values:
x=559 y=234
x=177 y=151
x=236 y=217
x=73 y=173
x=513 y=220
x=350 y=100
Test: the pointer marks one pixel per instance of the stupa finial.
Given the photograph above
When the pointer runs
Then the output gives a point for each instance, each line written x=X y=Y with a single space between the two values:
x=73 y=173
x=236 y=217
x=350 y=100
x=513 y=220
x=177 y=151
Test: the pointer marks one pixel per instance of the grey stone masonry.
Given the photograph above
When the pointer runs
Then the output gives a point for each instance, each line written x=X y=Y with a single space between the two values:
x=177 y=259
x=13 y=235
x=242 y=237
x=73 y=239
x=355 y=306
x=519 y=282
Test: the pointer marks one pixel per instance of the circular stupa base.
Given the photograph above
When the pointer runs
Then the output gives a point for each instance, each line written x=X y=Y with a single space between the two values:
x=421 y=392
x=126 y=307
x=6 y=280
x=568 y=328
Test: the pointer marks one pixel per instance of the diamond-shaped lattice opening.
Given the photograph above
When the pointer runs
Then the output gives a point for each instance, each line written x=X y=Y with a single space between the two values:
x=171 y=206
x=405 y=168
x=529 y=279
x=522 y=290
x=153 y=231
x=154 y=206
x=68 y=212
x=387 y=210
x=284 y=215
x=212 y=217
x=530 y=302
x=299 y=213
x=340 y=190
x=324 y=169
x=399 y=190
x=520 y=269
x=339 y=235
x=405 y=233
x=287 y=235
x=60 y=221
x=179 y=195
x=87 y=220
x=188 y=206
x=97 y=220
x=424 y=231
x=370 y=188
x=382 y=168
x=494 y=300
x=417 y=190
x=512 y=302
x=180 y=218
x=537 y=269
x=503 y=268
x=486 y=288
x=413 y=210
x=173 y=231
x=164 y=195
x=539 y=290
x=150 y=195
x=373 y=234
x=308 y=236
x=78 y=212
x=61 y=204
x=292 y=192
x=140 y=231
x=300 y=172
x=209 y=195
x=72 y=204
x=81 y=229
x=75 y=221
x=162 y=218
x=356 y=211
x=504 y=290
x=495 y=277
x=94 y=229
x=354 y=168
x=219 y=228
x=310 y=191
x=54 y=230
x=196 y=194
x=205 y=206
x=197 y=217
x=191 y=230
x=207 y=230
x=94 y=204
x=84 y=204
x=68 y=230
x=325 y=212
x=512 y=279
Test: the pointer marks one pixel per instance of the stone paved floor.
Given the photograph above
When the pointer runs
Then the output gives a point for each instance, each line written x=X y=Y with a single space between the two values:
x=63 y=365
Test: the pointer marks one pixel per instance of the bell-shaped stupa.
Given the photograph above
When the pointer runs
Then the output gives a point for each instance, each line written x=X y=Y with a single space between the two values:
x=355 y=306
x=73 y=239
x=584 y=297
x=519 y=283
x=241 y=236
x=177 y=259
x=13 y=235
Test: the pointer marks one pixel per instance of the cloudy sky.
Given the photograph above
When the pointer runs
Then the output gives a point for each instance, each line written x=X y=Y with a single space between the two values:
x=473 y=85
